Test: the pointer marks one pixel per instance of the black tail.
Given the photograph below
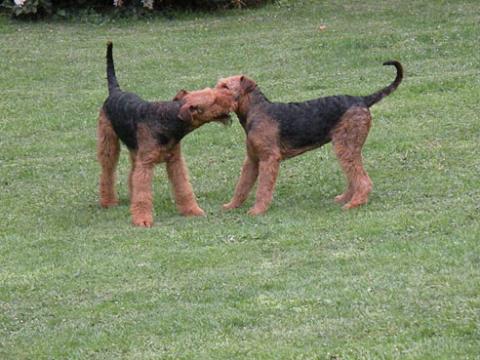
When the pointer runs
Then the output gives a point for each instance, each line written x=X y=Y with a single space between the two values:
x=379 y=95
x=112 y=79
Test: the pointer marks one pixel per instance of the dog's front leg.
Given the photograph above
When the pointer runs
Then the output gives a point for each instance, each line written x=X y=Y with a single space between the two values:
x=182 y=189
x=141 y=201
x=247 y=179
x=268 y=172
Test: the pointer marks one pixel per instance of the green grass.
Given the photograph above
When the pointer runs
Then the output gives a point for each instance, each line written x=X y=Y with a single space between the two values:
x=396 y=279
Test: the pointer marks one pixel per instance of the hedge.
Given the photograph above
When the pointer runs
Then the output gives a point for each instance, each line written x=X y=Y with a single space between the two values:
x=46 y=8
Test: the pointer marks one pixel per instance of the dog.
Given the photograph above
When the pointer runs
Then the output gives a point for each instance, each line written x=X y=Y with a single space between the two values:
x=277 y=131
x=152 y=132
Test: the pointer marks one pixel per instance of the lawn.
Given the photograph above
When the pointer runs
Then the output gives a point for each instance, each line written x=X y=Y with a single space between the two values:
x=396 y=279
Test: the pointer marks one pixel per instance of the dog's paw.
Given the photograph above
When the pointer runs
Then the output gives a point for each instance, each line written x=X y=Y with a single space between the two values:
x=254 y=211
x=230 y=206
x=341 y=199
x=352 y=205
x=143 y=221
x=193 y=212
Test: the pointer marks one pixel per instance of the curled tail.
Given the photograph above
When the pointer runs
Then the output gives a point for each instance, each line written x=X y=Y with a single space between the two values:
x=379 y=95
x=112 y=79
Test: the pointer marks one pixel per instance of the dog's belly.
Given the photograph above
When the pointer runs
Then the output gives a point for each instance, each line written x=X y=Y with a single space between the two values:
x=289 y=152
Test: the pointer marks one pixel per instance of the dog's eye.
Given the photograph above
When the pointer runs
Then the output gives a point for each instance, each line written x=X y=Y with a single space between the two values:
x=224 y=86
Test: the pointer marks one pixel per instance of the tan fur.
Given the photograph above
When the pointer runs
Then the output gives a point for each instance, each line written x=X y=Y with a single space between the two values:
x=133 y=159
x=108 y=150
x=182 y=190
x=348 y=138
x=248 y=176
x=262 y=161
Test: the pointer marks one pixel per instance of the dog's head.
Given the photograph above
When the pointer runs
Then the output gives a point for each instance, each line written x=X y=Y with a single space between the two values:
x=239 y=85
x=202 y=106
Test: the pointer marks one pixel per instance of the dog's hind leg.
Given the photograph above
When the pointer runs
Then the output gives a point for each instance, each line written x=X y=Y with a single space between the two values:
x=348 y=139
x=108 y=150
x=141 y=198
x=133 y=159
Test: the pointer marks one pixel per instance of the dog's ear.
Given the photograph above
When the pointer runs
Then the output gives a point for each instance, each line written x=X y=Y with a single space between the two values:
x=180 y=95
x=247 y=85
x=187 y=112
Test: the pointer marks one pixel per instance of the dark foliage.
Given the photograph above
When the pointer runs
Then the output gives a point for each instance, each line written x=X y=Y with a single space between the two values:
x=36 y=9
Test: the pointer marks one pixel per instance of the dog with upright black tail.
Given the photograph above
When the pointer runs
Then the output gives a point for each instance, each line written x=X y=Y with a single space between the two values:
x=277 y=131
x=152 y=132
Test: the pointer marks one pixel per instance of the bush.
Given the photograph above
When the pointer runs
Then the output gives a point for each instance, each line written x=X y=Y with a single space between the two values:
x=28 y=8
x=45 y=8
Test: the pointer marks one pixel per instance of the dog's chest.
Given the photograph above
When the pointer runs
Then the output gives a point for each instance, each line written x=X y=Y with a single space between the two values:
x=168 y=132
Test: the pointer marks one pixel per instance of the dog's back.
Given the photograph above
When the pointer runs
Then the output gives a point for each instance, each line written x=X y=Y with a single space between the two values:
x=309 y=123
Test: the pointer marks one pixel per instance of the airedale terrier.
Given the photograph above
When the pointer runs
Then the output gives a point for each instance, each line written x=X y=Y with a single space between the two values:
x=152 y=132
x=277 y=131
